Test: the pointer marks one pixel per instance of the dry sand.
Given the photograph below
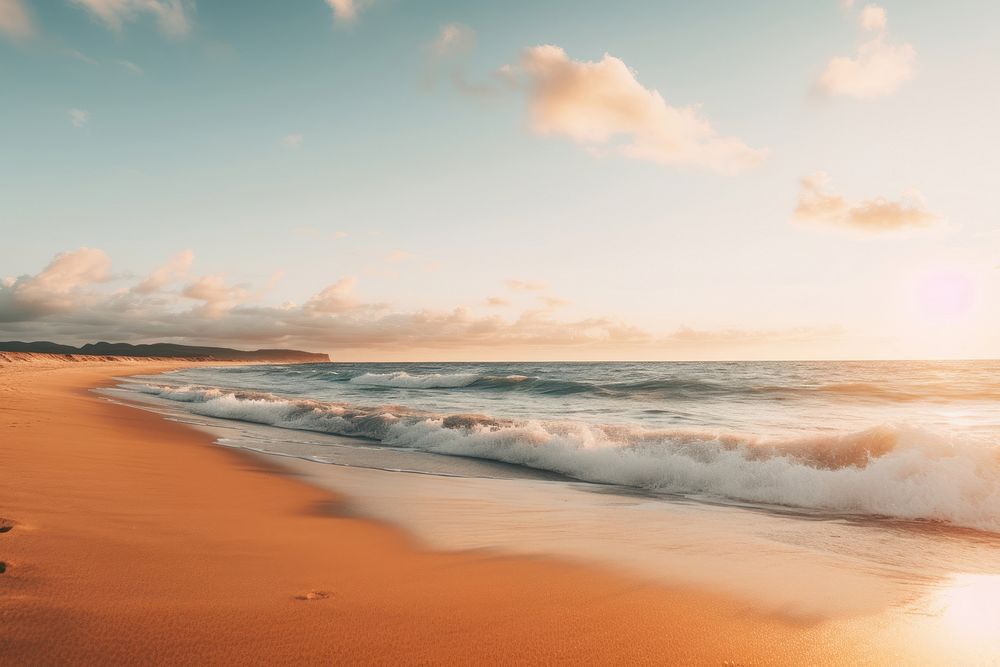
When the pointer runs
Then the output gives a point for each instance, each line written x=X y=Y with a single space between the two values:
x=135 y=540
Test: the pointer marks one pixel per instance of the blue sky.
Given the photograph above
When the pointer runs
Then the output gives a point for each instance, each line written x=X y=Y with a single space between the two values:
x=288 y=150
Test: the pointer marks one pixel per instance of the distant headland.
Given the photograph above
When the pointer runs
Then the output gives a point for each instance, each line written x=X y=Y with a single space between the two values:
x=165 y=350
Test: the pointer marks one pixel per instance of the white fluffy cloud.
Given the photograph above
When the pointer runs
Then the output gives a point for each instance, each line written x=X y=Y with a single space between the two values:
x=879 y=68
x=216 y=296
x=336 y=298
x=173 y=16
x=291 y=140
x=15 y=21
x=818 y=204
x=176 y=268
x=59 y=287
x=600 y=104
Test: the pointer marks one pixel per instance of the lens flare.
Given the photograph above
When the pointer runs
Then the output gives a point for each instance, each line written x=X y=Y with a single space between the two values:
x=946 y=295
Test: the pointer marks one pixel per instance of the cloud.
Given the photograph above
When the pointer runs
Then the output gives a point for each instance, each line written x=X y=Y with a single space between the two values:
x=496 y=302
x=336 y=298
x=276 y=277
x=291 y=140
x=176 y=268
x=65 y=302
x=873 y=17
x=876 y=70
x=78 y=117
x=447 y=55
x=601 y=104
x=130 y=66
x=216 y=296
x=173 y=16
x=82 y=57
x=817 y=204
x=553 y=302
x=346 y=11
x=15 y=21
x=525 y=285
x=453 y=39
x=127 y=65
x=59 y=287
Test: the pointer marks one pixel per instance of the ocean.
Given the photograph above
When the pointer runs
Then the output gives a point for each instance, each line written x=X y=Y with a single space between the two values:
x=907 y=440
x=812 y=488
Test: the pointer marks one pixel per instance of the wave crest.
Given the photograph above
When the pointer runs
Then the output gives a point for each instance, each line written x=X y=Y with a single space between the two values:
x=886 y=471
x=899 y=391
x=403 y=379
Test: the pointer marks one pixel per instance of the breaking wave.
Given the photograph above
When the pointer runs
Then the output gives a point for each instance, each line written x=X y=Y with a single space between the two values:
x=403 y=379
x=884 y=471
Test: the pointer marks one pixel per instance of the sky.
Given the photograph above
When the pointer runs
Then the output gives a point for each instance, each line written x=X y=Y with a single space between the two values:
x=434 y=180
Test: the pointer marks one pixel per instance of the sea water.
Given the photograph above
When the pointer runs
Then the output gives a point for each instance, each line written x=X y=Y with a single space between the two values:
x=813 y=488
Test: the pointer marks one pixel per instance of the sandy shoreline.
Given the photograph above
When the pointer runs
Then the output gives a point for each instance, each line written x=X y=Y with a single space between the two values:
x=136 y=540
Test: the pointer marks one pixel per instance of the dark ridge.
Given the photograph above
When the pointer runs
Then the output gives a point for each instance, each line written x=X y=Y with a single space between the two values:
x=164 y=350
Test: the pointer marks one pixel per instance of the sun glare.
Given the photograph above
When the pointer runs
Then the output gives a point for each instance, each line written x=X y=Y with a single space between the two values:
x=946 y=295
x=943 y=311
x=970 y=607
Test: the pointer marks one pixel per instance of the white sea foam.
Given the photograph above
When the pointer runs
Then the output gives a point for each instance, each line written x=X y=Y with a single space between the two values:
x=889 y=471
x=404 y=380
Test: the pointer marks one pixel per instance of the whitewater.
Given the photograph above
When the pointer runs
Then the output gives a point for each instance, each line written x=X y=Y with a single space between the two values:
x=915 y=441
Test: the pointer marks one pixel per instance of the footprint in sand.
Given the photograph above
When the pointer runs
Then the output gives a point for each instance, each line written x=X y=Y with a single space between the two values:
x=314 y=595
x=5 y=525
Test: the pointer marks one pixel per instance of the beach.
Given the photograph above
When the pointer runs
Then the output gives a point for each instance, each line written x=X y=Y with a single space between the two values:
x=134 y=539
x=363 y=332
